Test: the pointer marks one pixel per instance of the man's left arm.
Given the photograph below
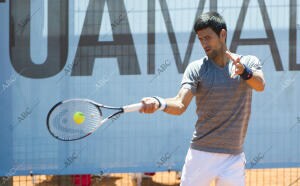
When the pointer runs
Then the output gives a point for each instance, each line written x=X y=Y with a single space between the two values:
x=253 y=75
x=257 y=81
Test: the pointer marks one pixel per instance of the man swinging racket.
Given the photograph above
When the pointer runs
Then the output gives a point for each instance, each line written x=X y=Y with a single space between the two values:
x=222 y=83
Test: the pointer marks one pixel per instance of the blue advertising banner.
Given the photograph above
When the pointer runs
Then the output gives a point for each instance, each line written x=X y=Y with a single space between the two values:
x=116 y=53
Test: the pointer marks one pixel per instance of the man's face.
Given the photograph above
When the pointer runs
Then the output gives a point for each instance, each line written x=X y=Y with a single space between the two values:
x=211 y=42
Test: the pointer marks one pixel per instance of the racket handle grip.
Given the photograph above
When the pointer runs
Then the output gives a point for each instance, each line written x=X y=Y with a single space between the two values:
x=132 y=107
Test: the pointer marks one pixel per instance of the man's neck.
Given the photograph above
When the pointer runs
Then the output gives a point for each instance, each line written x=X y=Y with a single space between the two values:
x=221 y=60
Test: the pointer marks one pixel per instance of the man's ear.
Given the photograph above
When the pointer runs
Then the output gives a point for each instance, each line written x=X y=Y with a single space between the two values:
x=223 y=35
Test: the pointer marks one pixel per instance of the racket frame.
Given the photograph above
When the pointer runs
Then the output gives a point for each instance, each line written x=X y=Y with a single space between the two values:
x=99 y=106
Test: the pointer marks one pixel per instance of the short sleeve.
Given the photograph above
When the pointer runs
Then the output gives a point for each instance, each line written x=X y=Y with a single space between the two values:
x=252 y=62
x=191 y=76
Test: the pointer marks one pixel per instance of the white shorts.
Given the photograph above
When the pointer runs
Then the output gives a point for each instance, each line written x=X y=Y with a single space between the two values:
x=201 y=168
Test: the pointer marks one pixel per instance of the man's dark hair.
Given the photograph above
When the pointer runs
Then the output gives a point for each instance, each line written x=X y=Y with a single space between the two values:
x=212 y=20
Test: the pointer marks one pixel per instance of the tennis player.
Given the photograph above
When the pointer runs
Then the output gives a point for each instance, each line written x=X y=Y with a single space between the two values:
x=222 y=83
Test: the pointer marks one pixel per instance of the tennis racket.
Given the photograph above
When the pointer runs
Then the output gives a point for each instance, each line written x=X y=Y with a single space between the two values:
x=75 y=119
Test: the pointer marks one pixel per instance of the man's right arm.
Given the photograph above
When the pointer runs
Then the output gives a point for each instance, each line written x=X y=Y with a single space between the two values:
x=175 y=106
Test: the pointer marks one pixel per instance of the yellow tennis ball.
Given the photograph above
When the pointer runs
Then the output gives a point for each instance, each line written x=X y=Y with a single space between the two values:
x=78 y=117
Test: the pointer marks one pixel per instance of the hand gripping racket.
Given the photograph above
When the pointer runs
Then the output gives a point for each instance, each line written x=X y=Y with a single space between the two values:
x=75 y=119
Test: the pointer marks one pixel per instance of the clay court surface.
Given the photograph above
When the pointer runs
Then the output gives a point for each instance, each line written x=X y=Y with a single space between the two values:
x=254 y=177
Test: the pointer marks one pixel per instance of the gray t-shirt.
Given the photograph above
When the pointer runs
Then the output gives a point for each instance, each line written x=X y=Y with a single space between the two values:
x=223 y=105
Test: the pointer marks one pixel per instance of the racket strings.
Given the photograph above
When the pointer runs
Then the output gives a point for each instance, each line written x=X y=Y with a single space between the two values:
x=63 y=125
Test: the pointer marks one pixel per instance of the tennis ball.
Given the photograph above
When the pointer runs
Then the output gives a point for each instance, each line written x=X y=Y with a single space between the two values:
x=78 y=117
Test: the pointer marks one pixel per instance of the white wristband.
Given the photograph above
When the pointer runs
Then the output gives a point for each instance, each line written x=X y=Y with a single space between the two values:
x=162 y=103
